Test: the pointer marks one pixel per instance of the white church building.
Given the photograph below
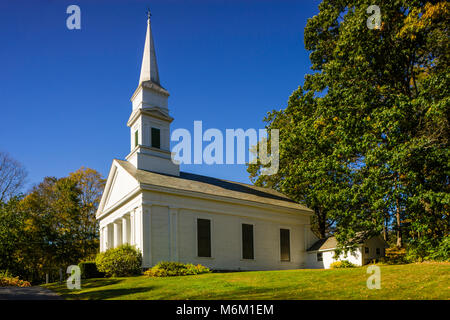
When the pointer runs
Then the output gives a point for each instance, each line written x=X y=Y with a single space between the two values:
x=176 y=216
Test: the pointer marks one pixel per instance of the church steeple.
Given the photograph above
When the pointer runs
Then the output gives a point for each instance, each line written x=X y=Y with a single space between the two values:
x=149 y=121
x=149 y=68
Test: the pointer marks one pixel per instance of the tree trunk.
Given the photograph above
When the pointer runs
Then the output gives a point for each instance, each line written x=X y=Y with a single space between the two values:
x=399 y=227
x=385 y=227
x=322 y=223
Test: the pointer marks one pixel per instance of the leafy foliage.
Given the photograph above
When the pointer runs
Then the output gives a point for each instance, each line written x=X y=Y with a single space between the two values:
x=7 y=280
x=89 y=270
x=122 y=261
x=365 y=141
x=49 y=228
x=395 y=255
x=342 y=264
x=170 y=269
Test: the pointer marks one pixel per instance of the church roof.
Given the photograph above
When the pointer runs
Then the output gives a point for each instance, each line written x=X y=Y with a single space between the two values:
x=212 y=186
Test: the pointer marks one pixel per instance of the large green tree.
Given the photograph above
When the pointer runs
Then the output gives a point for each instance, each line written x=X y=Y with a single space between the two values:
x=376 y=115
x=52 y=226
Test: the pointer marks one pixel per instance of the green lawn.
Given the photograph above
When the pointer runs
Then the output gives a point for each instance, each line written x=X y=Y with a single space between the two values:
x=411 y=281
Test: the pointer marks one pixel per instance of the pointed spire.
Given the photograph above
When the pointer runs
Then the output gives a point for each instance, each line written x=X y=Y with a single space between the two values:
x=149 y=68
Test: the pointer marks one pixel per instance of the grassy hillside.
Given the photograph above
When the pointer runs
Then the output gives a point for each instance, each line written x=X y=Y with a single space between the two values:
x=412 y=281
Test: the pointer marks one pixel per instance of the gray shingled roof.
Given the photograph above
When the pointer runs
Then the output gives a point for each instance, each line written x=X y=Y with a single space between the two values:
x=323 y=244
x=331 y=242
x=212 y=186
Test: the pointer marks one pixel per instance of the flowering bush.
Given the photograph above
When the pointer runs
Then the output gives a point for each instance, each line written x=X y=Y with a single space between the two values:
x=6 y=280
x=122 y=261
x=170 y=269
x=342 y=264
x=396 y=255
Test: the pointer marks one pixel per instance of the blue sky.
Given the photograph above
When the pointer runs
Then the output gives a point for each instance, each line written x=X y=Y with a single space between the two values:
x=65 y=94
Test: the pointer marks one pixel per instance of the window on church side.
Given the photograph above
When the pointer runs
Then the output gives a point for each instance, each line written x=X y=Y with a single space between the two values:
x=156 y=138
x=136 y=138
x=204 y=237
x=285 y=245
x=247 y=241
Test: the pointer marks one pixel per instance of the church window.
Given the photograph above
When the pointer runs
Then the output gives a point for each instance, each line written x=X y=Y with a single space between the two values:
x=156 y=138
x=204 y=237
x=136 y=138
x=285 y=245
x=247 y=241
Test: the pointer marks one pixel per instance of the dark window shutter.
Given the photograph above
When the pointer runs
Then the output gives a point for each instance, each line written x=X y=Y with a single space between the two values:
x=136 y=138
x=247 y=241
x=285 y=245
x=204 y=237
x=156 y=138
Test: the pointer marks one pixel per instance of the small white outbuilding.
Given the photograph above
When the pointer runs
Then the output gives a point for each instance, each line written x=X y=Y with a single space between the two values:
x=321 y=254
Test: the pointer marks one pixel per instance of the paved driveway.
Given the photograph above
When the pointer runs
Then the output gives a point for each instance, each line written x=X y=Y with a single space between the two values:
x=28 y=293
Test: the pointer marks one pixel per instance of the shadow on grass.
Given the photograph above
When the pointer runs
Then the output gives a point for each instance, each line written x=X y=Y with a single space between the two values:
x=98 y=282
x=109 y=293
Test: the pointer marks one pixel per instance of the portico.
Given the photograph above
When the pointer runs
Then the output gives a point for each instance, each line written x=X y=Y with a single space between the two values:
x=117 y=233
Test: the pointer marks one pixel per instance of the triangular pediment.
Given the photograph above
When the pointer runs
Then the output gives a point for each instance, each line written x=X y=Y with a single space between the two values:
x=119 y=185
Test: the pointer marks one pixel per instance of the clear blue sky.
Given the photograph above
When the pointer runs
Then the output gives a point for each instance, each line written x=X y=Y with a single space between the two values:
x=65 y=94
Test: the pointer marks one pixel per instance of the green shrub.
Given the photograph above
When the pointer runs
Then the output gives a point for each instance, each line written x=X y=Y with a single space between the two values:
x=342 y=264
x=170 y=269
x=443 y=251
x=89 y=270
x=426 y=249
x=395 y=255
x=7 y=280
x=122 y=261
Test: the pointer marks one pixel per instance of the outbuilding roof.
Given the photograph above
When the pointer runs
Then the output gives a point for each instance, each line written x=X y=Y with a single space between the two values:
x=323 y=244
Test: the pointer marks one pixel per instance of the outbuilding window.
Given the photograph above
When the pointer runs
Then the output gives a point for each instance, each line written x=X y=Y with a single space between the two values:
x=204 y=237
x=378 y=251
x=319 y=256
x=366 y=250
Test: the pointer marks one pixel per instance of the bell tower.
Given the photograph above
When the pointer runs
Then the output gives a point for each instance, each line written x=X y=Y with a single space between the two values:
x=149 y=121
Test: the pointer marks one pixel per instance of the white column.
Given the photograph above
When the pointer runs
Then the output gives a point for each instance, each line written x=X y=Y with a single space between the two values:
x=109 y=236
x=102 y=238
x=125 y=229
x=117 y=234
x=128 y=228
x=132 y=228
